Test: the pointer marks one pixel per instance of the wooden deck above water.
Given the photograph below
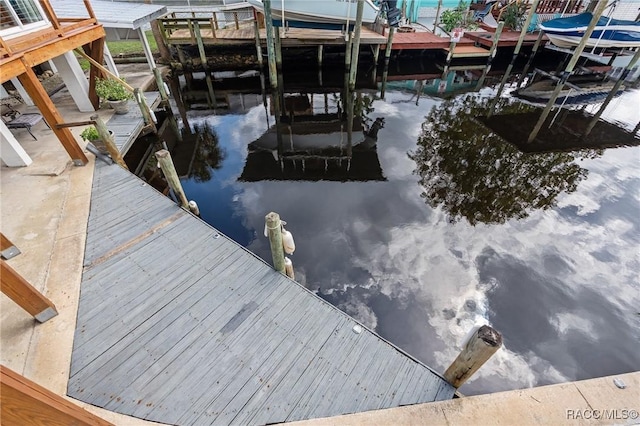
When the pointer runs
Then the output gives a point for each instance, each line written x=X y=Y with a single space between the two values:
x=180 y=325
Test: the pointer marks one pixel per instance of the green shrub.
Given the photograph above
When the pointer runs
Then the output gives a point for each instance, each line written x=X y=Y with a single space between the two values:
x=90 y=134
x=112 y=90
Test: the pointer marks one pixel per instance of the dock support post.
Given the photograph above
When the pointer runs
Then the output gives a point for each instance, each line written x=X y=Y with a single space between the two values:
x=435 y=22
x=274 y=229
x=166 y=164
x=480 y=347
x=256 y=30
x=534 y=51
x=387 y=56
x=273 y=73
x=492 y=54
x=161 y=87
x=568 y=70
x=109 y=143
x=26 y=402
x=25 y=295
x=320 y=54
x=612 y=93
x=452 y=48
x=355 y=49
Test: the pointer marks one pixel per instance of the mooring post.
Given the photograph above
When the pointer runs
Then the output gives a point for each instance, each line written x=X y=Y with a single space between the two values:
x=256 y=30
x=568 y=70
x=612 y=93
x=109 y=143
x=161 y=87
x=193 y=207
x=387 y=56
x=274 y=229
x=355 y=48
x=144 y=108
x=480 y=347
x=166 y=164
x=288 y=268
x=435 y=22
x=271 y=54
x=534 y=51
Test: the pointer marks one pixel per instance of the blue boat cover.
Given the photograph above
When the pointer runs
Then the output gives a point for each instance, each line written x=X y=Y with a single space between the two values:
x=582 y=20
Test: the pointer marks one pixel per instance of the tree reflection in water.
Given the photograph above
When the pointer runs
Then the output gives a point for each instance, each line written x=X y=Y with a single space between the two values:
x=207 y=155
x=473 y=174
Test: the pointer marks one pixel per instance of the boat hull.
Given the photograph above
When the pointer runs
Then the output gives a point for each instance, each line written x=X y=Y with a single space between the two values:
x=321 y=12
x=592 y=89
x=568 y=32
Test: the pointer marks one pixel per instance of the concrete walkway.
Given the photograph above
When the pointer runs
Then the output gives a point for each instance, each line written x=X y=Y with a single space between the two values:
x=589 y=402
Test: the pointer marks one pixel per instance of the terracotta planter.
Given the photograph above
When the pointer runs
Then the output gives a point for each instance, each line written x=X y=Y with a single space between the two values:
x=121 y=107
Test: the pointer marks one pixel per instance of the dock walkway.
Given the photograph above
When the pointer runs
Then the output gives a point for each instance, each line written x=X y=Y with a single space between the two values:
x=178 y=324
x=127 y=127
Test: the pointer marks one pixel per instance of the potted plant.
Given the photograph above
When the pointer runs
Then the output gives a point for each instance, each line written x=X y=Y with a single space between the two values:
x=113 y=91
x=90 y=134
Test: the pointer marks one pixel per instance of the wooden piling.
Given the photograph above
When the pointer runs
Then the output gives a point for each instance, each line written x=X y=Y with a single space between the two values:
x=480 y=347
x=534 y=51
x=144 y=108
x=568 y=70
x=435 y=22
x=166 y=164
x=612 y=93
x=271 y=54
x=288 y=268
x=201 y=51
x=193 y=207
x=256 y=30
x=320 y=54
x=387 y=56
x=109 y=143
x=25 y=295
x=161 y=87
x=274 y=229
x=492 y=54
x=355 y=48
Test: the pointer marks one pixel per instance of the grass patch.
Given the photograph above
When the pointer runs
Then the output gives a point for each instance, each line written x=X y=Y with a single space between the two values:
x=125 y=48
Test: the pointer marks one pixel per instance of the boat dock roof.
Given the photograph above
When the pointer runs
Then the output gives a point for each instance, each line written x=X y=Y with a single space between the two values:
x=178 y=324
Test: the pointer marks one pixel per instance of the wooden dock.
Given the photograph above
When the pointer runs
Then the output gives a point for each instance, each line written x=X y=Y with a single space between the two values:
x=178 y=324
x=293 y=37
x=127 y=127
x=507 y=38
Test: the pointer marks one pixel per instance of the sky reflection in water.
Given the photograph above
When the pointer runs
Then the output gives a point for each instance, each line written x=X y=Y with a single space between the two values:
x=441 y=245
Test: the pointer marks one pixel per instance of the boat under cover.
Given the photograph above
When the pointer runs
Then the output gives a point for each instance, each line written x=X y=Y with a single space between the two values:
x=592 y=88
x=567 y=32
x=329 y=12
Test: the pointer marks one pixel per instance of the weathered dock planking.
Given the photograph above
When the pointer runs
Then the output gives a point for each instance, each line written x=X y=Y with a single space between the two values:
x=179 y=324
x=127 y=127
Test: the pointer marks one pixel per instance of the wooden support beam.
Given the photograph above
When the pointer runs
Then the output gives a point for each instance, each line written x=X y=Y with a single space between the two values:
x=25 y=295
x=480 y=347
x=48 y=10
x=95 y=50
x=48 y=110
x=25 y=402
x=8 y=250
